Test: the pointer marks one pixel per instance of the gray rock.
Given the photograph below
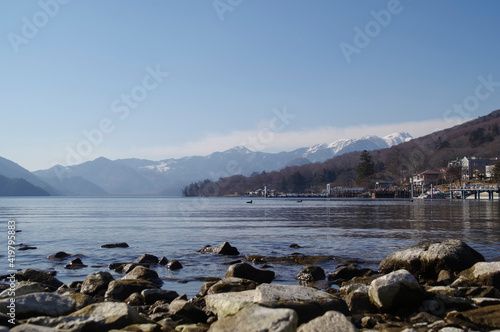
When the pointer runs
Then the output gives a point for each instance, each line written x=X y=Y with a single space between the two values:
x=116 y=314
x=224 y=249
x=59 y=255
x=33 y=328
x=308 y=302
x=331 y=321
x=144 y=273
x=174 y=264
x=426 y=259
x=40 y=304
x=398 y=289
x=96 y=282
x=115 y=245
x=47 y=279
x=257 y=318
x=163 y=260
x=484 y=274
x=224 y=304
x=120 y=290
x=247 y=271
x=24 y=288
x=231 y=284
x=82 y=300
x=188 y=310
x=146 y=259
x=73 y=323
x=153 y=295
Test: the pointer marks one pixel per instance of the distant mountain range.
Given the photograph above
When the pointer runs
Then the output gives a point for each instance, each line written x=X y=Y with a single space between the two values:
x=168 y=177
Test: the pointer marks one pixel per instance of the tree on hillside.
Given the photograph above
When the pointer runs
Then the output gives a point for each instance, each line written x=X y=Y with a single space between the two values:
x=496 y=172
x=365 y=167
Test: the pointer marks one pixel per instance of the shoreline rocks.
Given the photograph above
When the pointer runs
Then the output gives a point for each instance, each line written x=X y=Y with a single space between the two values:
x=429 y=296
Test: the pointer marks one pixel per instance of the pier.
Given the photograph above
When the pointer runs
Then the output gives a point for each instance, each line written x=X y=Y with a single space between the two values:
x=463 y=193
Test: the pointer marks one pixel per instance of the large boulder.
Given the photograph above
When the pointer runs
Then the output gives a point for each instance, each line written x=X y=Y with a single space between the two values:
x=308 y=302
x=396 y=290
x=331 y=321
x=39 y=304
x=484 y=274
x=68 y=323
x=247 y=271
x=257 y=318
x=426 y=259
x=24 y=288
x=96 y=282
x=120 y=290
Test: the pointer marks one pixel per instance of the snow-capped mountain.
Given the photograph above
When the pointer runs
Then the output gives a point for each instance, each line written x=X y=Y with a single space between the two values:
x=169 y=176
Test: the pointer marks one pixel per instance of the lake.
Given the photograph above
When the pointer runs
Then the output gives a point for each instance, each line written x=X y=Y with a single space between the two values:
x=366 y=230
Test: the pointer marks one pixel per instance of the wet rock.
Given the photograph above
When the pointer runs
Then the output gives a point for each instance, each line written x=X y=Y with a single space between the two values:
x=26 y=247
x=126 y=267
x=82 y=300
x=40 y=304
x=257 y=318
x=294 y=245
x=47 y=279
x=68 y=323
x=426 y=259
x=146 y=259
x=484 y=273
x=163 y=261
x=153 y=295
x=174 y=264
x=224 y=304
x=75 y=264
x=360 y=303
x=115 y=245
x=310 y=273
x=116 y=314
x=96 y=282
x=308 y=302
x=141 y=272
x=331 y=321
x=187 y=309
x=119 y=290
x=59 y=255
x=135 y=299
x=231 y=284
x=483 y=318
x=348 y=272
x=398 y=289
x=224 y=249
x=205 y=287
x=24 y=288
x=247 y=271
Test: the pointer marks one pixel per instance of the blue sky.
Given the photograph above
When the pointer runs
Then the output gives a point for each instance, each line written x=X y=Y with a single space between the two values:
x=166 y=79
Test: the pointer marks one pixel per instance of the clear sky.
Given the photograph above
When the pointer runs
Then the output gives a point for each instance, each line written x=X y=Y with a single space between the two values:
x=166 y=79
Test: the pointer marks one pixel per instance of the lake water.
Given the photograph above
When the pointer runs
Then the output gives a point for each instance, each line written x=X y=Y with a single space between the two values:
x=177 y=228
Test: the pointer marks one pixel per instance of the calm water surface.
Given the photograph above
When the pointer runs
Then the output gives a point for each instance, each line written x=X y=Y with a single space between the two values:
x=177 y=227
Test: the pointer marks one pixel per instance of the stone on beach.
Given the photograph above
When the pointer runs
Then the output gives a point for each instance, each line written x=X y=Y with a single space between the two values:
x=152 y=295
x=310 y=273
x=484 y=274
x=40 y=304
x=174 y=264
x=398 y=289
x=331 y=321
x=257 y=318
x=426 y=259
x=119 y=290
x=146 y=259
x=96 y=282
x=59 y=255
x=308 y=302
x=144 y=273
x=24 y=288
x=247 y=271
x=47 y=279
x=231 y=284
x=224 y=304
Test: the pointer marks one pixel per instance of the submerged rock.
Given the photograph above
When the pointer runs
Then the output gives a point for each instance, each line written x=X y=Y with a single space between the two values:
x=146 y=259
x=224 y=249
x=426 y=259
x=247 y=271
x=59 y=255
x=174 y=264
x=75 y=264
x=115 y=245
x=310 y=274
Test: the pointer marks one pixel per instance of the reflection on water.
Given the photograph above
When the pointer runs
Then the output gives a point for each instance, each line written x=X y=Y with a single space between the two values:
x=178 y=227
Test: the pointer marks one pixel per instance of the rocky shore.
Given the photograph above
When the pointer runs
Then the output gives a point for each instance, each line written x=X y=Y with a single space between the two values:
x=445 y=286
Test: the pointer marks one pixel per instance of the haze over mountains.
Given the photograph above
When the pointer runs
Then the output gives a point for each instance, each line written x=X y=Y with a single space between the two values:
x=168 y=177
